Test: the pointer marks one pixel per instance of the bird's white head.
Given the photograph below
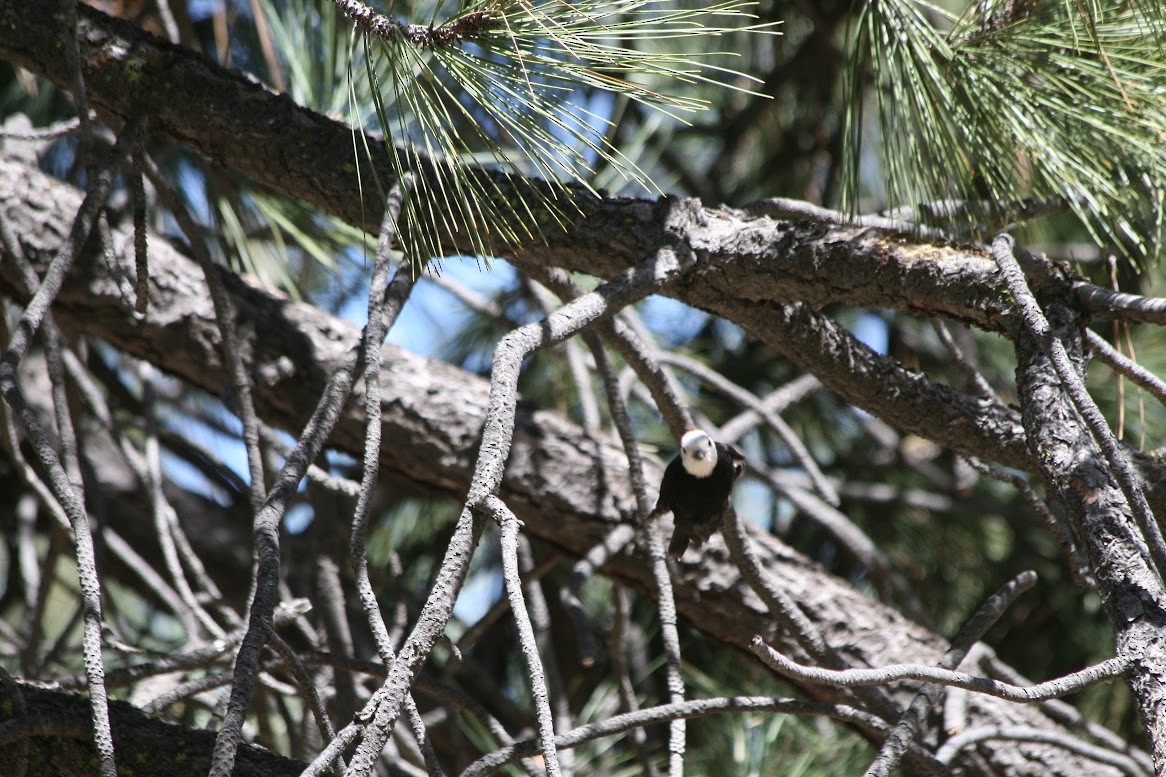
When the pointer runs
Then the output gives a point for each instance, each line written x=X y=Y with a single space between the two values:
x=698 y=453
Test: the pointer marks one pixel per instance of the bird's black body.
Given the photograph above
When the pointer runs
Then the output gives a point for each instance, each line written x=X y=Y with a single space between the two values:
x=698 y=503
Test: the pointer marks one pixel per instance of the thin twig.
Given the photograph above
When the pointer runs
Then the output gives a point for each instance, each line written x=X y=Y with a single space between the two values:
x=848 y=534
x=1107 y=303
x=72 y=48
x=169 y=23
x=666 y=603
x=225 y=318
x=694 y=708
x=265 y=594
x=961 y=360
x=385 y=301
x=498 y=510
x=191 y=615
x=637 y=349
x=60 y=129
x=1126 y=366
x=951 y=748
x=332 y=610
x=906 y=730
x=375 y=331
x=540 y=621
x=316 y=473
x=479 y=303
x=499 y=609
x=619 y=668
x=788 y=209
x=654 y=537
x=307 y=688
x=786 y=611
x=1063 y=712
x=1056 y=525
x=775 y=401
x=616 y=540
x=141 y=259
x=851 y=678
x=576 y=364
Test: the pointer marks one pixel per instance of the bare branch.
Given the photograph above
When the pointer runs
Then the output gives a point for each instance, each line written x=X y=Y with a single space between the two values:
x=689 y=709
x=787 y=613
x=496 y=509
x=1126 y=366
x=265 y=596
x=1004 y=250
x=909 y=725
x=1056 y=526
x=637 y=350
x=849 y=678
x=1106 y=303
x=951 y=748
x=225 y=318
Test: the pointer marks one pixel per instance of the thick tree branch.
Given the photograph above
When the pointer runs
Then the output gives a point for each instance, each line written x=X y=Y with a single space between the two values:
x=1077 y=471
x=139 y=739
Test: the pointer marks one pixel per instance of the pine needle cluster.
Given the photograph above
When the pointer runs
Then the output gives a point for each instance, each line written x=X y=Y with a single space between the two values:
x=1015 y=108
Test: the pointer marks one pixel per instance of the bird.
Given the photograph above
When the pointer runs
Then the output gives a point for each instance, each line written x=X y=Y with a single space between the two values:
x=696 y=488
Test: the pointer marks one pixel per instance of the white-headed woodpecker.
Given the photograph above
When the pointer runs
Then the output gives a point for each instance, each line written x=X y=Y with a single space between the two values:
x=696 y=488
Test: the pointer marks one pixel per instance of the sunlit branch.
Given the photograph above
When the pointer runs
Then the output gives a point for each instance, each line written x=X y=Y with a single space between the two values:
x=637 y=349
x=497 y=510
x=225 y=318
x=265 y=595
x=1004 y=250
x=540 y=621
x=850 y=678
x=666 y=602
x=1063 y=712
x=775 y=402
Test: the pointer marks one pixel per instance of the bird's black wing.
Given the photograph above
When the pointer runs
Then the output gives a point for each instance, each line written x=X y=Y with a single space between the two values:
x=668 y=485
x=735 y=457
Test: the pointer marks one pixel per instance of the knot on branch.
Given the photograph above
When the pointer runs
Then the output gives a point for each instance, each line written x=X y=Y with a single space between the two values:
x=471 y=26
x=465 y=27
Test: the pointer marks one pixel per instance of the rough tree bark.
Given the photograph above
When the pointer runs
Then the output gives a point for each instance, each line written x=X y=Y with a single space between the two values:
x=1076 y=470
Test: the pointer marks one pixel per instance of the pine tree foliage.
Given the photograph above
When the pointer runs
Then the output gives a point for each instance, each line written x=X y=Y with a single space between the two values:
x=506 y=85
x=1007 y=109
